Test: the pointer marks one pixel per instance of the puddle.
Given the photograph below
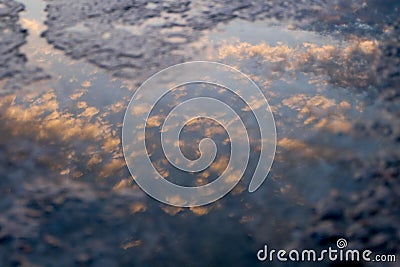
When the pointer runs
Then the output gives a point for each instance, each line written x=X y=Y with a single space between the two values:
x=77 y=112
x=90 y=96
x=319 y=89
x=73 y=123
x=259 y=32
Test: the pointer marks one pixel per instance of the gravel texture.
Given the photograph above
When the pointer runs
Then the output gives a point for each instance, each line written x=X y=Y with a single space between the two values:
x=13 y=64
